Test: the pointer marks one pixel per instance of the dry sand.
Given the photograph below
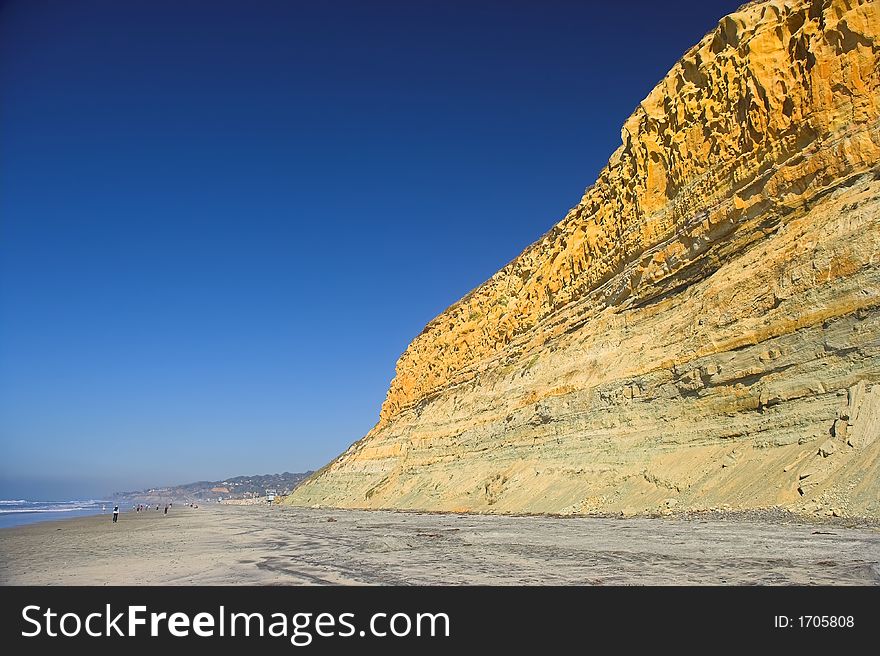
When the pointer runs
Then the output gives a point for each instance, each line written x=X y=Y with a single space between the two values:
x=284 y=545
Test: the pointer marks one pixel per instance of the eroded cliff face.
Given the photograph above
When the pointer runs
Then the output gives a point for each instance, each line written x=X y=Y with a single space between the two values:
x=702 y=329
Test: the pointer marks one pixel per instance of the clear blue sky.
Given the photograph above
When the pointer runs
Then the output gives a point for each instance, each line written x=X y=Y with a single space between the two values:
x=222 y=222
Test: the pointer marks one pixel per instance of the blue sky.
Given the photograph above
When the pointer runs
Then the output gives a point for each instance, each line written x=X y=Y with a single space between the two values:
x=222 y=222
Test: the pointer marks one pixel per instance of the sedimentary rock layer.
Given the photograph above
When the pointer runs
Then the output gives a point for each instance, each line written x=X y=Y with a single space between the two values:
x=702 y=329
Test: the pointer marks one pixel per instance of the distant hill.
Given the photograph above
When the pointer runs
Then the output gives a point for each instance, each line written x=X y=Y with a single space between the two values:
x=240 y=487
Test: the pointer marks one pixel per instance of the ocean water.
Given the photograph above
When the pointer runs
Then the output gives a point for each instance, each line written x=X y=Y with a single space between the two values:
x=15 y=512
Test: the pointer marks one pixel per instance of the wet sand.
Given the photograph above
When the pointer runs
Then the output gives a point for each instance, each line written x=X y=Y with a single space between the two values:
x=275 y=545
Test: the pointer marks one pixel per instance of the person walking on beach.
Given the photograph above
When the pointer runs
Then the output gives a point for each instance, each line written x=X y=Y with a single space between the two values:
x=115 y=513
x=166 y=508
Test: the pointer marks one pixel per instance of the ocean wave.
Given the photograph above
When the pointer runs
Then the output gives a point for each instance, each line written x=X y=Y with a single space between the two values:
x=76 y=502
x=42 y=510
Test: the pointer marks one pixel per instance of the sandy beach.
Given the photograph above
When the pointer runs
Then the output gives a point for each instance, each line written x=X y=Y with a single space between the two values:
x=276 y=545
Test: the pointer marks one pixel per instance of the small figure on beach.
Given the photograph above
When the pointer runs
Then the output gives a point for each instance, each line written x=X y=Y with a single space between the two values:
x=166 y=508
x=157 y=507
x=115 y=513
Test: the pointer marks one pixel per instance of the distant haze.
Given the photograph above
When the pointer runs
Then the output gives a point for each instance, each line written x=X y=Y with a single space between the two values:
x=222 y=222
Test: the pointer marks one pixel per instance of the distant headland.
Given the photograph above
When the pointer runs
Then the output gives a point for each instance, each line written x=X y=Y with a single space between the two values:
x=239 y=488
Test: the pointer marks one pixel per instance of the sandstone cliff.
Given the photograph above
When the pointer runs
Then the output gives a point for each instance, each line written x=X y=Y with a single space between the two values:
x=702 y=329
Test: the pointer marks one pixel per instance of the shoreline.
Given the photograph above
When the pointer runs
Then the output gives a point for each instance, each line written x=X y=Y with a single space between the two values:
x=776 y=516
x=27 y=518
x=286 y=545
